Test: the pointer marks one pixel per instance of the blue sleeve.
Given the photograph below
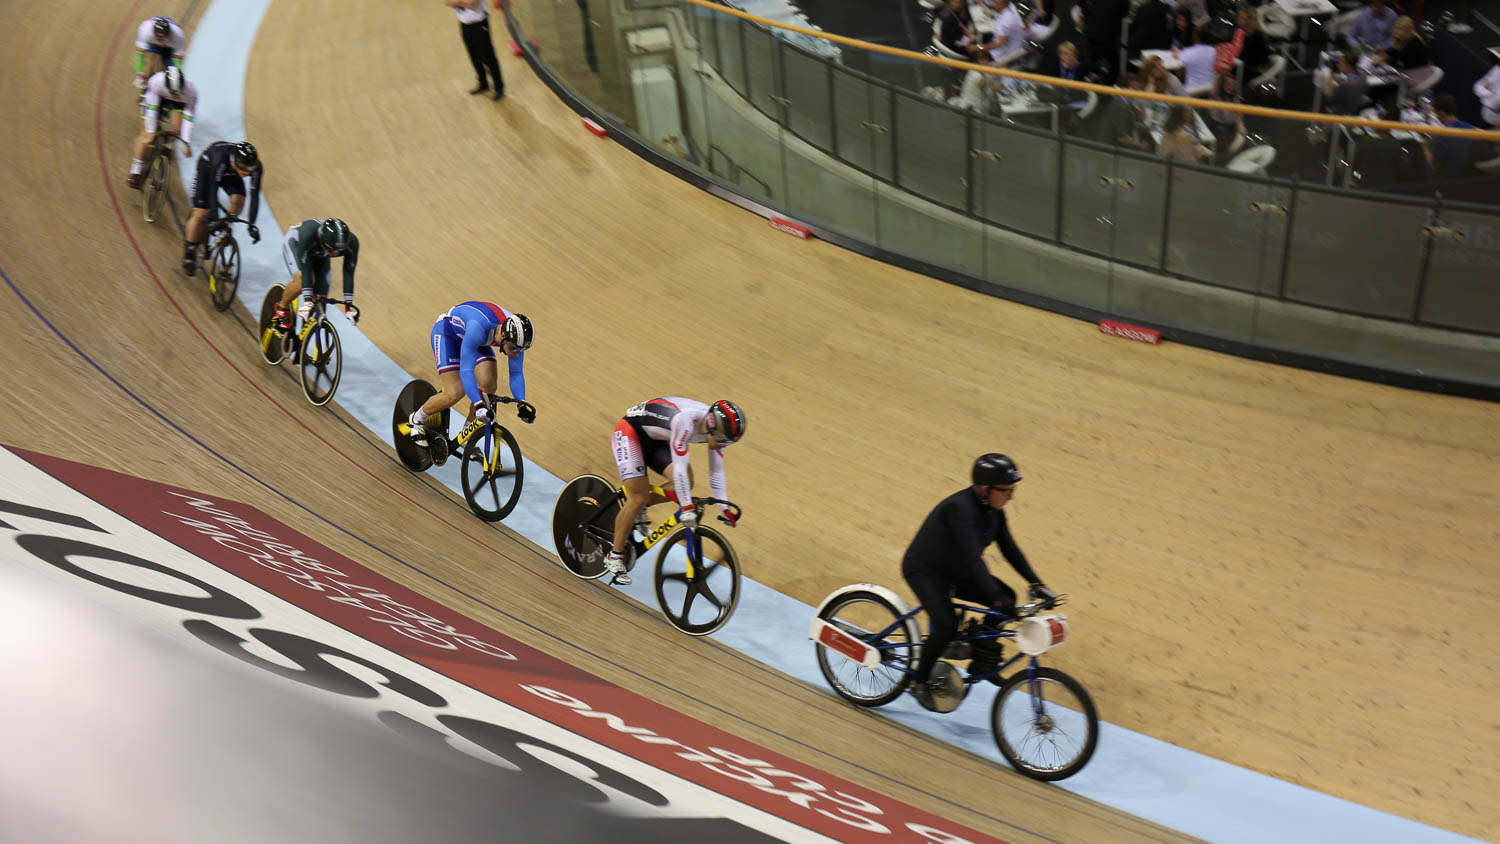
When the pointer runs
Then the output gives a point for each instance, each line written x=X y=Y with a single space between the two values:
x=468 y=355
x=518 y=377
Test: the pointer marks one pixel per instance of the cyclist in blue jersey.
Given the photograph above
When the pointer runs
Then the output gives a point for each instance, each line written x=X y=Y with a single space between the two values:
x=463 y=344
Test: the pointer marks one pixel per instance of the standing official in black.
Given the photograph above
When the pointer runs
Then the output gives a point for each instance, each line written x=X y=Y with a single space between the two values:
x=474 y=24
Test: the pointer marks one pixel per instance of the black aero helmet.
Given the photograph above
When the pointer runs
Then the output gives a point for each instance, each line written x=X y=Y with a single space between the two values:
x=245 y=157
x=995 y=470
x=161 y=28
x=334 y=235
x=726 y=421
x=517 y=330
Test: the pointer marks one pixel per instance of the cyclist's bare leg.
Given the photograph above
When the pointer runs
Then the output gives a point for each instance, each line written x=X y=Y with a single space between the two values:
x=236 y=204
x=453 y=388
x=293 y=288
x=637 y=498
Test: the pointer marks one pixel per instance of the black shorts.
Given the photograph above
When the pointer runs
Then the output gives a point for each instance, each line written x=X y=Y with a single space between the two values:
x=205 y=190
x=635 y=452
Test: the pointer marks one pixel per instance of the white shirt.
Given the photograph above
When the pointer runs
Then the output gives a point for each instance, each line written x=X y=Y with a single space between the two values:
x=145 y=37
x=156 y=92
x=474 y=15
x=1487 y=89
x=1008 y=24
x=1197 y=66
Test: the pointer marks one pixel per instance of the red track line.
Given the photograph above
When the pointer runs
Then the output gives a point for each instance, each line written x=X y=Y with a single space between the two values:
x=135 y=245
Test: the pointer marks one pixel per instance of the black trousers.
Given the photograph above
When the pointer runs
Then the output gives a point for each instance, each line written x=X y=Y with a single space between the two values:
x=936 y=592
x=482 y=53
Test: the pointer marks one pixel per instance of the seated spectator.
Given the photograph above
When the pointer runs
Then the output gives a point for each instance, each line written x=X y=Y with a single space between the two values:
x=1407 y=49
x=1009 y=37
x=1064 y=64
x=1197 y=11
x=1183 y=29
x=1155 y=78
x=1256 y=50
x=1177 y=141
x=977 y=91
x=1150 y=28
x=1347 y=89
x=1123 y=125
x=1449 y=158
x=957 y=29
x=1371 y=29
x=1225 y=124
x=1198 y=63
x=1487 y=89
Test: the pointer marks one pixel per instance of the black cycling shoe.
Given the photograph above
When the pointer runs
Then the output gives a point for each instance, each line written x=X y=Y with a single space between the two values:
x=987 y=653
x=189 y=266
x=481 y=89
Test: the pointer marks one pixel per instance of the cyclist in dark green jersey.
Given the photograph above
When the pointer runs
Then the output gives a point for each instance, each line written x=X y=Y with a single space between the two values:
x=309 y=250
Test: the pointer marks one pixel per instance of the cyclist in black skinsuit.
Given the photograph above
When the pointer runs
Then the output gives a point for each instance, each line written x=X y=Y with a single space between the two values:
x=944 y=561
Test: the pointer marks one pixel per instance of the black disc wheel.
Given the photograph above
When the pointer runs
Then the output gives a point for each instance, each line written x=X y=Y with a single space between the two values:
x=583 y=523
x=491 y=473
x=874 y=620
x=270 y=344
x=697 y=580
x=224 y=273
x=322 y=362
x=1045 y=724
x=412 y=396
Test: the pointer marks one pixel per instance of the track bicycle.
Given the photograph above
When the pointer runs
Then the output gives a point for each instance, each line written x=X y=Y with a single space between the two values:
x=312 y=344
x=491 y=472
x=159 y=157
x=693 y=562
x=1044 y=722
x=223 y=263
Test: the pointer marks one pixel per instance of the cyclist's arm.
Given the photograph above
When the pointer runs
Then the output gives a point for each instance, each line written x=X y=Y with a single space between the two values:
x=140 y=59
x=1013 y=554
x=475 y=333
x=152 y=102
x=716 y=482
x=517 y=376
x=682 y=431
x=351 y=258
x=256 y=177
x=189 y=105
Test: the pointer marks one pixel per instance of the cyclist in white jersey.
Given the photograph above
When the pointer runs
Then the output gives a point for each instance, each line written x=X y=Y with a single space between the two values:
x=170 y=96
x=655 y=435
x=159 y=44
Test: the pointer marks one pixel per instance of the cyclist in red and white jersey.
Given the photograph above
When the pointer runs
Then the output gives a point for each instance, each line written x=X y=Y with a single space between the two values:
x=656 y=434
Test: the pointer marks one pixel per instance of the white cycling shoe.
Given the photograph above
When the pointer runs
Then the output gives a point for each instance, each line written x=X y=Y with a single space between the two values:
x=615 y=565
x=418 y=425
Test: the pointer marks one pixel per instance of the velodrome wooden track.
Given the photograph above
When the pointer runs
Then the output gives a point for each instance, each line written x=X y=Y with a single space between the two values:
x=1293 y=572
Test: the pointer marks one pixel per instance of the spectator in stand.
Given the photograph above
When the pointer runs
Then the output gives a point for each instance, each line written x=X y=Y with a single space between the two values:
x=1347 y=89
x=1155 y=78
x=1008 y=41
x=1102 y=23
x=1183 y=30
x=957 y=29
x=1123 y=125
x=1487 y=89
x=1198 y=64
x=1449 y=158
x=1064 y=64
x=1150 y=27
x=977 y=92
x=1225 y=124
x=1256 y=50
x=1177 y=141
x=1371 y=29
x=1407 y=49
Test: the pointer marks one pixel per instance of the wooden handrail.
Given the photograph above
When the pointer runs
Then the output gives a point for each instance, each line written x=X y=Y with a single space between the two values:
x=1109 y=91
